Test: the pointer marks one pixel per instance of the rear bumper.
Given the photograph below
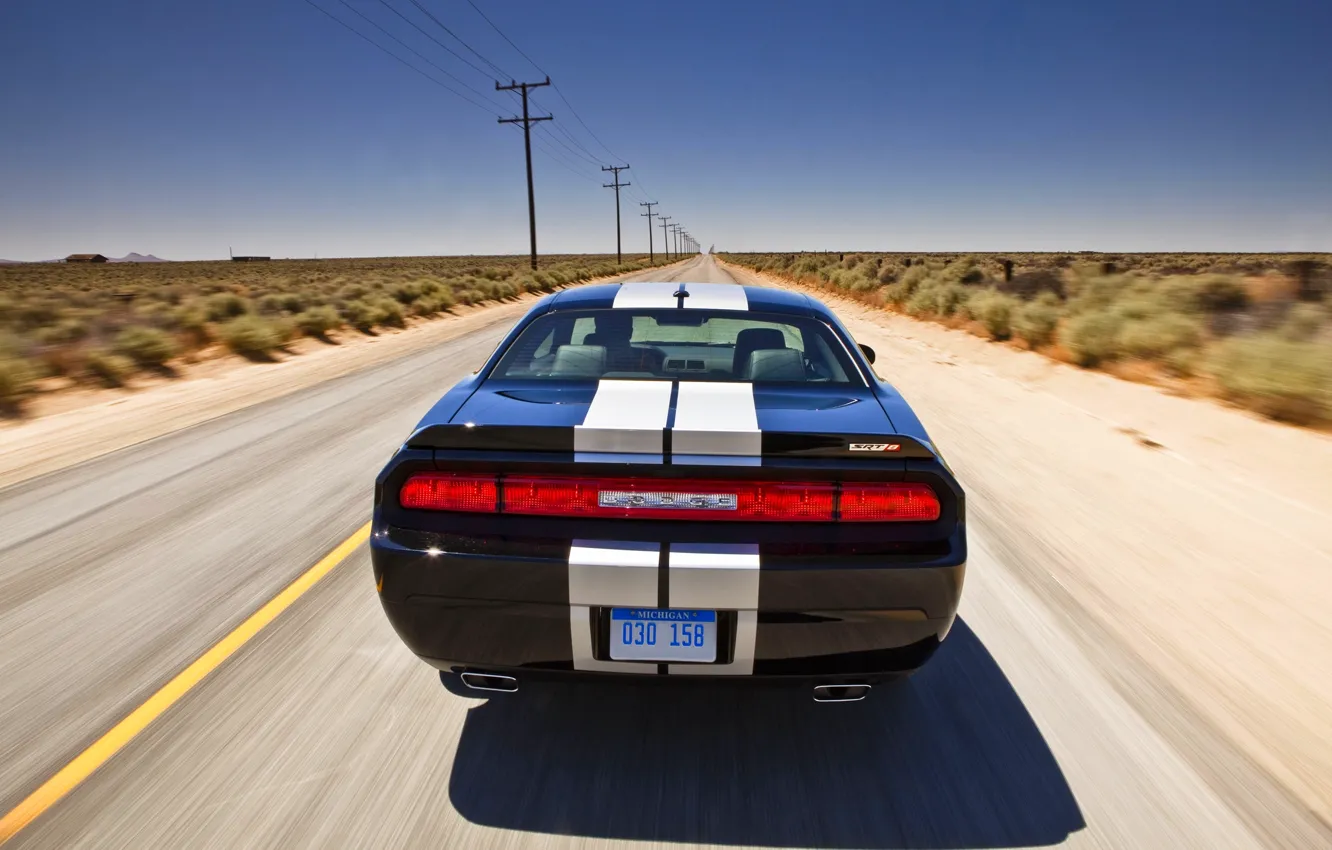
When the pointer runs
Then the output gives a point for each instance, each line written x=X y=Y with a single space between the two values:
x=524 y=611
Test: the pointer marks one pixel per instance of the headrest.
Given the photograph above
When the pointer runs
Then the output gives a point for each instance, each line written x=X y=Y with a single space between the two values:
x=579 y=361
x=755 y=338
x=776 y=364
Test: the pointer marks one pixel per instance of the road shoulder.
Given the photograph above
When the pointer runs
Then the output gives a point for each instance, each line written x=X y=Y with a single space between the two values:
x=49 y=443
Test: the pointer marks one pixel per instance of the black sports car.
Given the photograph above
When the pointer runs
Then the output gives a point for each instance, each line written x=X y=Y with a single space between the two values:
x=671 y=480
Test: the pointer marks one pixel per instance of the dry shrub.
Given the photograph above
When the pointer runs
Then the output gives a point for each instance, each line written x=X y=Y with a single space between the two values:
x=361 y=315
x=1183 y=362
x=64 y=331
x=226 y=305
x=277 y=303
x=391 y=313
x=1281 y=378
x=937 y=297
x=1091 y=292
x=1304 y=321
x=192 y=318
x=148 y=347
x=108 y=369
x=1158 y=335
x=1092 y=337
x=1204 y=293
x=16 y=377
x=995 y=311
x=68 y=359
x=1031 y=284
x=1270 y=287
x=318 y=321
x=254 y=336
x=1035 y=322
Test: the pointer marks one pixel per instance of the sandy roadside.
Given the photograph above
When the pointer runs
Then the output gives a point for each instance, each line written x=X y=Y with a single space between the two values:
x=99 y=422
x=1200 y=536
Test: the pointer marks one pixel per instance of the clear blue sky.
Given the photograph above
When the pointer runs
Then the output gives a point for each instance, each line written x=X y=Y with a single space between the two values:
x=182 y=128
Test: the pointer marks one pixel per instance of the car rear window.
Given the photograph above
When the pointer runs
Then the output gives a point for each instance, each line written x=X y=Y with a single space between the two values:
x=694 y=344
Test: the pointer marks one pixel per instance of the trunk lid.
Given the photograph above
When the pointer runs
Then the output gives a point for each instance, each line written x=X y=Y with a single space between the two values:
x=712 y=423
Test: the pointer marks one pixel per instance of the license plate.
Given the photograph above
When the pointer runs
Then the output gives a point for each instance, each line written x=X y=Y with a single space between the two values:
x=661 y=634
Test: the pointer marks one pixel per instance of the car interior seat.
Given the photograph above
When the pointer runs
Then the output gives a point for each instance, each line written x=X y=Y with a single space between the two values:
x=750 y=340
x=775 y=364
x=579 y=361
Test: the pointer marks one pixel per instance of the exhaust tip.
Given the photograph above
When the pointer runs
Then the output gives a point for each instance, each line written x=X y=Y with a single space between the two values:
x=854 y=692
x=493 y=682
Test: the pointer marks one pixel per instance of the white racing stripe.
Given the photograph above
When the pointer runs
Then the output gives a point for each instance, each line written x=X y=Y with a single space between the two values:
x=646 y=295
x=625 y=422
x=609 y=573
x=718 y=576
x=716 y=422
x=715 y=296
x=706 y=296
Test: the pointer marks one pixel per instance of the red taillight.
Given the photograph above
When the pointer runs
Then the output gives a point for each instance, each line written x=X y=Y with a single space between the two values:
x=888 y=503
x=672 y=498
x=472 y=493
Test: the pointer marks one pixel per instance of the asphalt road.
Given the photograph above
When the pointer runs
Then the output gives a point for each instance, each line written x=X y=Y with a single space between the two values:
x=324 y=731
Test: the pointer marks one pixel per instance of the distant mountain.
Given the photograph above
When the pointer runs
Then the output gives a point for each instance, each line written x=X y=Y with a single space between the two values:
x=132 y=257
x=10 y=262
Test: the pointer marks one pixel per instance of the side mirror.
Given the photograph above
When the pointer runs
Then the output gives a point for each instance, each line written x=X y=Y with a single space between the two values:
x=867 y=351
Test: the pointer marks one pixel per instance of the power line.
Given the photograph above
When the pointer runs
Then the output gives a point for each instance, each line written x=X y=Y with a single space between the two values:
x=426 y=12
x=456 y=54
x=590 y=155
x=554 y=156
x=616 y=186
x=505 y=37
x=558 y=91
x=580 y=120
x=445 y=86
x=572 y=111
x=446 y=73
x=593 y=155
x=569 y=149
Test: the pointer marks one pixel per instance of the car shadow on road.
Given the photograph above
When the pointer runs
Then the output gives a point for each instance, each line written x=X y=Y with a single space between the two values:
x=947 y=759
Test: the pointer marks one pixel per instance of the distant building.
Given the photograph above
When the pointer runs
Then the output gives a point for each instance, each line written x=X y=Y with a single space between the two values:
x=85 y=258
x=247 y=259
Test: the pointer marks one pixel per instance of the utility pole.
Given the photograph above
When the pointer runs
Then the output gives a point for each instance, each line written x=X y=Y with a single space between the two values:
x=617 y=185
x=648 y=215
x=666 y=243
x=527 y=122
x=675 y=238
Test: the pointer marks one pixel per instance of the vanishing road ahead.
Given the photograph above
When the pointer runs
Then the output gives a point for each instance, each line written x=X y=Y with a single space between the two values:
x=324 y=731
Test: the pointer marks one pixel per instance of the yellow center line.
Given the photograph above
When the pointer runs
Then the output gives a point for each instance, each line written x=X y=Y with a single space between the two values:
x=83 y=765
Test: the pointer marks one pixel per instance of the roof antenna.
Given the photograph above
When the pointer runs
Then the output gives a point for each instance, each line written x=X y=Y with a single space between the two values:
x=680 y=295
